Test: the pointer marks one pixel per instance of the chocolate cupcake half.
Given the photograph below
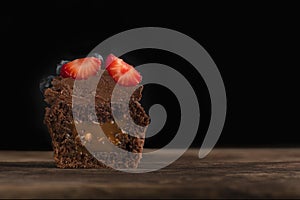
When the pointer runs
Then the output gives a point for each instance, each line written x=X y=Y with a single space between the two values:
x=74 y=128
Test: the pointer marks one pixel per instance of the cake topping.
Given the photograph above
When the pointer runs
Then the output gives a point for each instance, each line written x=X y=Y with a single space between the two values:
x=46 y=83
x=122 y=73
x=59 y=66
x=81 y=68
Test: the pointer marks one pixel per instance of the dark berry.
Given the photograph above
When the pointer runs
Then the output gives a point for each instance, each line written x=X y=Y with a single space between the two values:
x=46 y=83
x=60 y=65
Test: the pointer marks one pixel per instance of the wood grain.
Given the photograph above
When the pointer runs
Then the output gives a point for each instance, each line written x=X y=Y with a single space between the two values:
x=224 y=173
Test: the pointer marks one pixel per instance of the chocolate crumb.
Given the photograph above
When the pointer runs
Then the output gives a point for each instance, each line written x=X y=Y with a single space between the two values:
x=69 y=151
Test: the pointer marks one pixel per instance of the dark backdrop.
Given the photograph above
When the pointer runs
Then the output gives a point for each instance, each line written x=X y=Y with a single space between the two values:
x=254 y=46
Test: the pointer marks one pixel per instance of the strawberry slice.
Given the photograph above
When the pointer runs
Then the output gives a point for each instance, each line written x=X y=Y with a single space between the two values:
x=81 y=68
x=122 y=73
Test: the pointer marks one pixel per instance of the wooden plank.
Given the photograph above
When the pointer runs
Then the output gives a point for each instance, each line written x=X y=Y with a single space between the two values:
x=225 y=173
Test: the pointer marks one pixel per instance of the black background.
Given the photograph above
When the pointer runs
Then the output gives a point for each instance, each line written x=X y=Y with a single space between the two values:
x=256 y=48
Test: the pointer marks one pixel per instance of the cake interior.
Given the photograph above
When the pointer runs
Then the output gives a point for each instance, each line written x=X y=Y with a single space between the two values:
x=73 y=140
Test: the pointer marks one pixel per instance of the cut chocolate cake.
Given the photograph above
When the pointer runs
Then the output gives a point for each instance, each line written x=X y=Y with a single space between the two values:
x=76 y=140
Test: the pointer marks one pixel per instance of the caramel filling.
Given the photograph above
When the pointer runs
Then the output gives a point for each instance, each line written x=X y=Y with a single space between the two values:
x=99 y=139
x=111 y=130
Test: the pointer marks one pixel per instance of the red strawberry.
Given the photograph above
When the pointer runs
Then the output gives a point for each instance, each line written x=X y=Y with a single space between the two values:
x=123 y=73
x=81 y=68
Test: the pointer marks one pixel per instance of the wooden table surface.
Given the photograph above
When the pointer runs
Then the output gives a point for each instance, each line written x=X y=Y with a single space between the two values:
x=224 y=173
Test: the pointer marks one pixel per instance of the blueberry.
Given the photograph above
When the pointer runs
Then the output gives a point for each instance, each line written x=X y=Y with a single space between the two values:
x=46 y=83
x=60 y=65
x=97 y=55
